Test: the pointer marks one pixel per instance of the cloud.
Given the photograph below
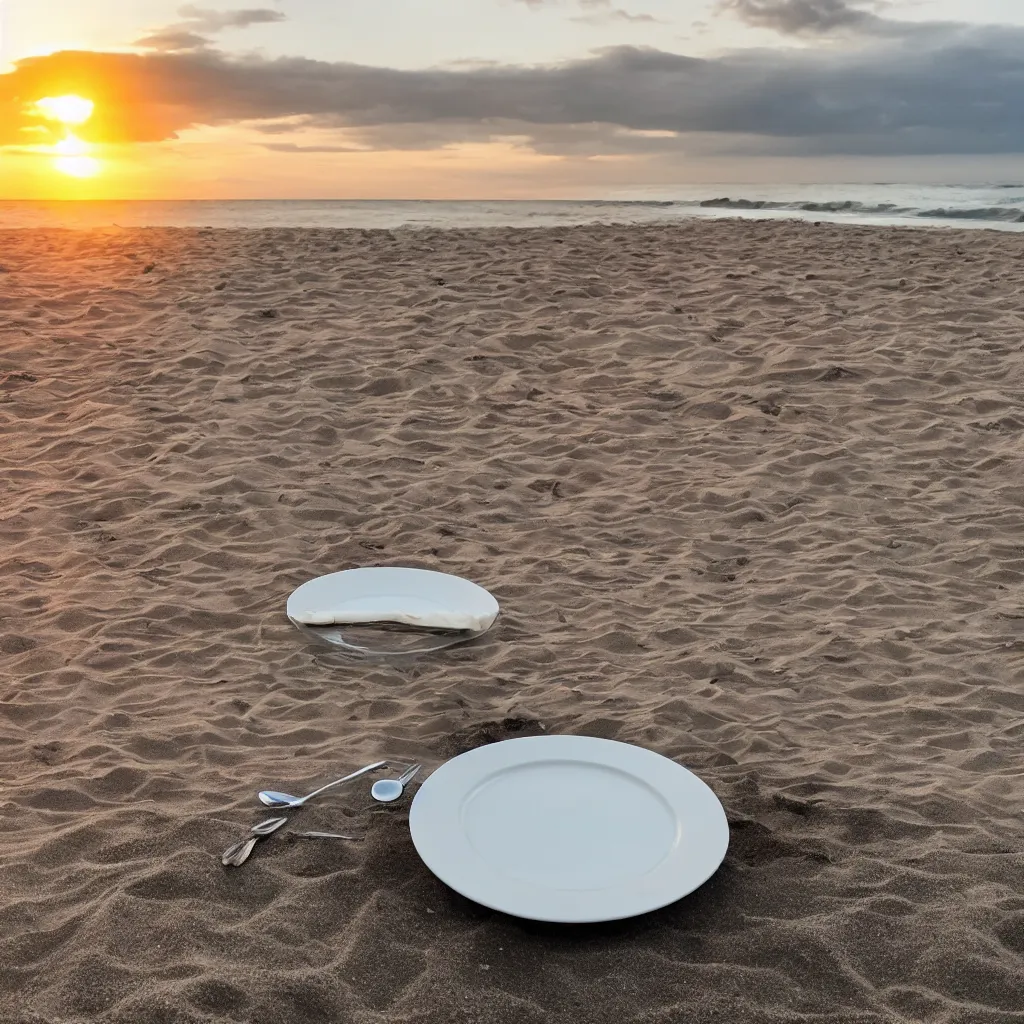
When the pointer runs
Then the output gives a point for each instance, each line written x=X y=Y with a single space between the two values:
x=835 y=18
x=172 y=39
x=208 y=20
x=580 y=140
x=615 y=14
x=295 y=147
x=599 y=12
x=795 y=17
x=944 y=90
x=199 y=23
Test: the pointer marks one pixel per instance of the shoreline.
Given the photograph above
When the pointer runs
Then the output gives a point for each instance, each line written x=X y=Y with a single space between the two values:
x=681 y=222
x=992 y=207
x=680 y=225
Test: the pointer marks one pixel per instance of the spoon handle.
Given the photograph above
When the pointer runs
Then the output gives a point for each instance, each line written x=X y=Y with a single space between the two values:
x=337 y=782
x=321 y=835
x=409 y=774
x=264 y=828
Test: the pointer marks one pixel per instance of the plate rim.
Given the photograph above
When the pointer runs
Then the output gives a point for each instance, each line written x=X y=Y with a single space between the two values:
x=711 y=810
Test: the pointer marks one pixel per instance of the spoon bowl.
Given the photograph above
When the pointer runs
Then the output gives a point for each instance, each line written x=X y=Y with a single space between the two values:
x=386 y=791
x=238 y=853
x=274 y=799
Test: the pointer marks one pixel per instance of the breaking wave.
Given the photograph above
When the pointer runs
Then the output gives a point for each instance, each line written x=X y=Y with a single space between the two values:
x=1012 y=212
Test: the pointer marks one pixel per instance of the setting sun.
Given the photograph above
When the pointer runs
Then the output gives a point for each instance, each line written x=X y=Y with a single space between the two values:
x=78 y=166
x=72 y=158
x=71 y=153
x=68 y=110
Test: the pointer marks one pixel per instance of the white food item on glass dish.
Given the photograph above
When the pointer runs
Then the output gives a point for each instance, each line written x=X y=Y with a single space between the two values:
x=414 y=597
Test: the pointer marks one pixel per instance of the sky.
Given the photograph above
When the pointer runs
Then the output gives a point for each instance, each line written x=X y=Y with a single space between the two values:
x=480 y=99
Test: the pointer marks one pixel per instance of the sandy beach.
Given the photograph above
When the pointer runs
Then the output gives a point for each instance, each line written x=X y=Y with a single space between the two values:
x=750 y=494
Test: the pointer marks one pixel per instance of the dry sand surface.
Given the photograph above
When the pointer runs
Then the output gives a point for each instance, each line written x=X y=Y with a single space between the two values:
x=750 y=494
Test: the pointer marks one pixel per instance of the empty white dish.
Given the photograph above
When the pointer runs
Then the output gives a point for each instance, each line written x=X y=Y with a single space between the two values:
x=413 y=597
x=570 y=829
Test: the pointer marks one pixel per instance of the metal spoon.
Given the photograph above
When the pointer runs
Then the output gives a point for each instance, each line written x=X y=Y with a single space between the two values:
x=386 y=790
x=238 y=853
x=272 y=798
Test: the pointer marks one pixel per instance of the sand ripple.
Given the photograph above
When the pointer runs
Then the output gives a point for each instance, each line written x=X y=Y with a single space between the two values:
x=750 y=494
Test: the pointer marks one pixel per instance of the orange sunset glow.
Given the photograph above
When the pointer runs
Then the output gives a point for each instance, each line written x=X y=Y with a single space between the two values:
x=529 y=99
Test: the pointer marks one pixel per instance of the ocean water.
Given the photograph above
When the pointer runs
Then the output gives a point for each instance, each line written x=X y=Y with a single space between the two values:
x=993 y=206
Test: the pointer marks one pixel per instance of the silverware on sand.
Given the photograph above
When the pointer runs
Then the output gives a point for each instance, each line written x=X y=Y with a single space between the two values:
x=383 y=791
x=238 y=853
x=272 y=798
x=387 y=790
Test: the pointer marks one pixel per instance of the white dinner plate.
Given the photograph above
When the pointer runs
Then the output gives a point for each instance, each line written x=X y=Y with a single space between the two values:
x=414 y=597
x=568 y=828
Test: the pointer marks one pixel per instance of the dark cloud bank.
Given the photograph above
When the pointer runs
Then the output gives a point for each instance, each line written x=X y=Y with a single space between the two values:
x=870 y=86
